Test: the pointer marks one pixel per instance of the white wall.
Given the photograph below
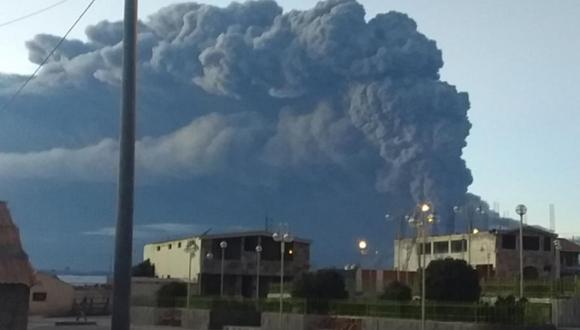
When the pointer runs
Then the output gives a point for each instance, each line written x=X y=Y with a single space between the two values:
x=478 y=247
x=59 y=296
x=173 y=262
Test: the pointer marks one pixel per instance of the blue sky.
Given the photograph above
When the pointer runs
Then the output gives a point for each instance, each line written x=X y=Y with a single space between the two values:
x=518 y=61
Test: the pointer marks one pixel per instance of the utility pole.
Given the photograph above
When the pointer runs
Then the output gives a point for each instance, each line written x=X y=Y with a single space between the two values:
x=124 y=233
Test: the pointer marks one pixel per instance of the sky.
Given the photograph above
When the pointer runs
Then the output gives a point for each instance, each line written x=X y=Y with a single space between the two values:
x=517 y=60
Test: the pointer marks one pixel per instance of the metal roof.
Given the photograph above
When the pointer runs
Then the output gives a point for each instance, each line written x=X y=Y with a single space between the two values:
x=569 y=246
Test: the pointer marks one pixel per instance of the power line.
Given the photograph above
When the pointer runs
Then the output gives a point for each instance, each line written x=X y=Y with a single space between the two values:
x=21 y=88
x=40 y=11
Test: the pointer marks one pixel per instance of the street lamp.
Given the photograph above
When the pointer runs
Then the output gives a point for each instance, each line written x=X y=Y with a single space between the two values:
x=363 y=246
x=521 y=210
x=422 y=218
x=223 y=246
x=258 y=257
x=282 y=236
x=398 y=239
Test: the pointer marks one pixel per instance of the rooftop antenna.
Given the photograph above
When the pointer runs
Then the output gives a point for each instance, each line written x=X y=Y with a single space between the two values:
x=552 y=218
x=496 y=207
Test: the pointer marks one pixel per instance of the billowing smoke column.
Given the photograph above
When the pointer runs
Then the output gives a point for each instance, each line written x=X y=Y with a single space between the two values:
x=256 y=97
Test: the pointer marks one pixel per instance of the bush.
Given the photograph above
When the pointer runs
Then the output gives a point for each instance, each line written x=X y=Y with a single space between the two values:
x=452 y=280
x=172 y=294
x=397 y=291
x=321 y=285
x=144 y=269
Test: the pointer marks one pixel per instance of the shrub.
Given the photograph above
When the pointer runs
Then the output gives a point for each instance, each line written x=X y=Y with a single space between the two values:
x=171 y=294
x=143 y=269
x=452 y=280
x=397 y=291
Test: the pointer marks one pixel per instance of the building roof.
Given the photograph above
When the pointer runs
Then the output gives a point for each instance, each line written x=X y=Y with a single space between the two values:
x=230 y=235
x=569 y=246
x=527 y=228
x=14 y=265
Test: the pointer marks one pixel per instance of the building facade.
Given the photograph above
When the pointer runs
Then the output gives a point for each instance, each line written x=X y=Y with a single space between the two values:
x=50 y=296
x=199 y=260
x=16 y=275
x=492 y=253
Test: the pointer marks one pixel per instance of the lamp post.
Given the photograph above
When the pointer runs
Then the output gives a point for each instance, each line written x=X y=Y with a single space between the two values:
x=282 y=236
x=223 y=246
x=208 y=256
x=191 y=248
x=258 y=257
x=521 y=210
x=120 y=318
x=423 y=217
x=398 y=247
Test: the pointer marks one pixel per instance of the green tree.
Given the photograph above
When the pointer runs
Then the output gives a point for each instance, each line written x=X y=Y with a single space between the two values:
x=321 y=285
x=172 y=295
x=452 y=280
x=143 y=269
x=397 y=291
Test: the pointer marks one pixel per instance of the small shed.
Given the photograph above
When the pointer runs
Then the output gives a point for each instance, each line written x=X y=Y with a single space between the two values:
x=16 y=275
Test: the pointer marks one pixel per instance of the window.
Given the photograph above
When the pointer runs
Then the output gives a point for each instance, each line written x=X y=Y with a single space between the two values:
x=424 y=247
x=250 y=243
x=508 y=242
x=169 y=247
x=39 y=296
x=179 y=245
x=441 y=247
x=547 y=268
x=158 y=248
x=547 y=243
x=532 y=243
x=458 y=246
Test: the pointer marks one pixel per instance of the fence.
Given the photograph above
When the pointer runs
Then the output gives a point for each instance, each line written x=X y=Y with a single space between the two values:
x=510 y=314
x=565 y=287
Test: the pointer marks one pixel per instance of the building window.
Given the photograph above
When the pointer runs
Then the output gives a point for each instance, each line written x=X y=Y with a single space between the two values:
x=548 y=268
x=159 y=248
x=459 y=246
x=547 y=243
x=532 y=243
x=179 y=245
x=508 y=242
x=39 y=296
x=441 y=247
x=424 y=247
x=169 y=247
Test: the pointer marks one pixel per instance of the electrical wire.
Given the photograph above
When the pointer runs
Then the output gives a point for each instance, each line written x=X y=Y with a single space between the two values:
x=40 y=11
x=29 y=79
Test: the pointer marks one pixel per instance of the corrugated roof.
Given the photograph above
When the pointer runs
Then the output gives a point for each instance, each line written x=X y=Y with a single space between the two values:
x=14 y=265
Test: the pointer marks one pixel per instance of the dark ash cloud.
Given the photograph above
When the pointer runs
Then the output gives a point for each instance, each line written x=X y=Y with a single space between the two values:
x=255 y=98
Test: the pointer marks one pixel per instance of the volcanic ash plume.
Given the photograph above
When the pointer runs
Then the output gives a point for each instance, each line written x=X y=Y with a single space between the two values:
x=254 y=95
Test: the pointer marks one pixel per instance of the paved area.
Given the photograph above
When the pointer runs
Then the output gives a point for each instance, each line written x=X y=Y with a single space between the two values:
x=102 y=323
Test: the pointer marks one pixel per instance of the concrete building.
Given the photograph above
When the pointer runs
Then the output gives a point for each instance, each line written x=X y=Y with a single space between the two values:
x=16 y=275
x=50 y=296
x=493 y=253
x=178 y=258
x=569 y=257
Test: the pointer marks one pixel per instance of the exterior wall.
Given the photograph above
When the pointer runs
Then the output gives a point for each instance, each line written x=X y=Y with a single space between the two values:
x=508 y=265
x=144 y=290
x=58 y=295
x=484 y=251
x=14 y=306
x=174 y=262
x=480 y=250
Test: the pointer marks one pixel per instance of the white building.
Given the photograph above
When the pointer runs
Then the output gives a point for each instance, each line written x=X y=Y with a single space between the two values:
x=492 y=253
x=177 y=259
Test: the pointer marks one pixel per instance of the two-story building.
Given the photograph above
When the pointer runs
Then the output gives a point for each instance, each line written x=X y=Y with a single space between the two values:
x=198 y=259
x=493 y=253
